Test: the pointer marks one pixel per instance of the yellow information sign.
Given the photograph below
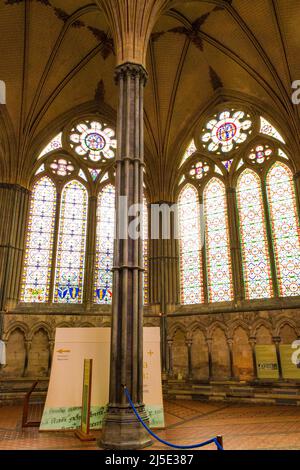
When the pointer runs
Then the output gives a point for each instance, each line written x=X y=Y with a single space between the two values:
x=266 y=361
x=289 y=370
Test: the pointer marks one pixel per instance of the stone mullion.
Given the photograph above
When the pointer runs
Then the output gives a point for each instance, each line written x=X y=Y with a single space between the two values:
x=203 y=251
x=277 y=341
x=121 y=429
x=235 y=245
x=297 y=193
x=170 y=356
x=253 y=344
x=89 y=276
x=54 y=248
x=268 y=225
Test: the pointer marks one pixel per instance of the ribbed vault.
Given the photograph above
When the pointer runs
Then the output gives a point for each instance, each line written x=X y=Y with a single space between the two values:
x=58 y=59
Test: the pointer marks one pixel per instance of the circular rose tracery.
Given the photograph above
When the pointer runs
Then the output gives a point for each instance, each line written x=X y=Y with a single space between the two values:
x=93 y=140
x=226 y=131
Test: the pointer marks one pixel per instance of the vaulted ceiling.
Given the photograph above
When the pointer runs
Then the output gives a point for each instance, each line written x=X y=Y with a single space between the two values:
x=57 y=56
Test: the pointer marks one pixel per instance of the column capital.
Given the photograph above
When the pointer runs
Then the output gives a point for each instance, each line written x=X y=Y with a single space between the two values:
x=277 y=339
x=132 y=70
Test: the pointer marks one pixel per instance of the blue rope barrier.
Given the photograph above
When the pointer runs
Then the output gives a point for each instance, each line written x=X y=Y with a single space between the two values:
x=175 y=446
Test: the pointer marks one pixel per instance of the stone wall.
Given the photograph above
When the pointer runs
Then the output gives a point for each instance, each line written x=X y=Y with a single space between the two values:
x=221 y=346
x=29 y=335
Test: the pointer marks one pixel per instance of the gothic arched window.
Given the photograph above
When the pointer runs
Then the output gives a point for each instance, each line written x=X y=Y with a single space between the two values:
x=285 y=228
x=219 y=280
x=38 y=256
x=255 y=254
x=70 y=260
x=105 y=245
x=190 y=246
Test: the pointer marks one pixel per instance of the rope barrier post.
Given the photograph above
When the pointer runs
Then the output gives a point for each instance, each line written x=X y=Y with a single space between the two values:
x=220 y=441
x=217 y=440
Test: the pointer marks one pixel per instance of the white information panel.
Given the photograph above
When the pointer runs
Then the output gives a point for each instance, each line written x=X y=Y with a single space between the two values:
x=64 y=399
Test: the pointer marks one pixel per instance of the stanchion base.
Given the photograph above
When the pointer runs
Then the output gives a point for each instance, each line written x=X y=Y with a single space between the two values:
x=84 y=437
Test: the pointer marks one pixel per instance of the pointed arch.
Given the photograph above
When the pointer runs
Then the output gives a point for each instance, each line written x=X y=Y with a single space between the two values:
x=70 y=260
x=190 y=246
x=219 y=276
x=285 y=228
x=255 y=254
x=103 y=278
x=39 y=244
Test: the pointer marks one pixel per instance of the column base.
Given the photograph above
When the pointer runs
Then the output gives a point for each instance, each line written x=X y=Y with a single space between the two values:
x=122 y=430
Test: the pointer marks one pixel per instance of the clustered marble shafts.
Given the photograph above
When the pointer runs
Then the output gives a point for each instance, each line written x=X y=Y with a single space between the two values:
x=14 y=202
x=120 y=427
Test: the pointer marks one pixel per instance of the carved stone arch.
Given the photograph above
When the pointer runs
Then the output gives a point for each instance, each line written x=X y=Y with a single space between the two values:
x=86 y=324
x=257 y=324
x=16 y=349
x=16 y=325
x=234 y=324
x=65 y=324
x=242 y=356
x=105 y=324
x=149 y=324
x=177 y=327
x=40 y=326
x=199 y=352
x=197 y=326
x=39 y=351
x=282 y=322
x=61 y=122
x=217 y=324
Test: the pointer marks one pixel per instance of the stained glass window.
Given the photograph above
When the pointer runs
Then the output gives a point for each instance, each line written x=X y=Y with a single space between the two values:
x=105 y=245
x=267 y=129
x=189 y=151
x=226 y=131
x=54 y=144
x=282 y=154
x=260 y=154
x=199 y=170
x=228 y=164
x=38 y=255
x=94 y=173
x=190 y=247
x=219 y=279
x=285 y=227
x=93 y=140
x=255 y=254
x=69 y=275
x=145 y=251
x=40 y=169
x=62 y=167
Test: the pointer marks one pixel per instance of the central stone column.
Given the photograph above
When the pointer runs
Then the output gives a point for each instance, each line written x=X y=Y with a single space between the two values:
x=121 y=429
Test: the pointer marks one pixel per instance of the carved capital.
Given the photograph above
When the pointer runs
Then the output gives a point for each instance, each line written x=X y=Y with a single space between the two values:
x=131 y=70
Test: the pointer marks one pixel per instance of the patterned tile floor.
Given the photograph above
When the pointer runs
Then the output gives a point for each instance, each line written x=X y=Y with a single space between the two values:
x=187 y=422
